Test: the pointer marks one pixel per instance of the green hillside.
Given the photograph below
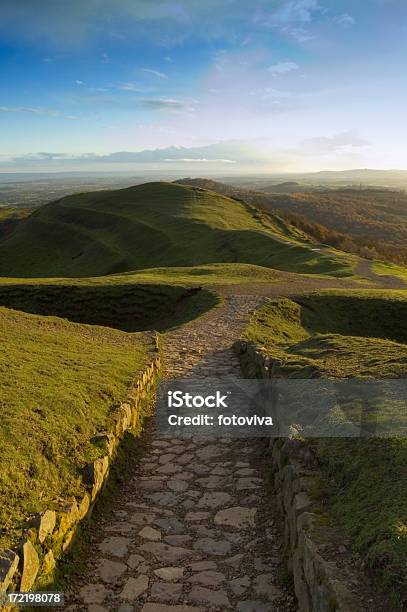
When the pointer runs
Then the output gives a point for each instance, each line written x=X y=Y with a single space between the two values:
x=59 y=385
x=339 y=335
x=154 y=225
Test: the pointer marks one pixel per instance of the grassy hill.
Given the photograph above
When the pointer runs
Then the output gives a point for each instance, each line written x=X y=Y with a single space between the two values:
x=338 y=335
x=155 y=225
x=371 y=222
x=59 y=384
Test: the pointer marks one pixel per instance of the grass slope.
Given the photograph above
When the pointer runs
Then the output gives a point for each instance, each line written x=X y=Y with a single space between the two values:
x=345 y=335
x=122 y=304
x=59 y=383
x=154 y=225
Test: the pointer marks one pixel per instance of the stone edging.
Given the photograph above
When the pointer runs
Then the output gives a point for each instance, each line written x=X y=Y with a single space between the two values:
x=321 y=583
x=51 y=532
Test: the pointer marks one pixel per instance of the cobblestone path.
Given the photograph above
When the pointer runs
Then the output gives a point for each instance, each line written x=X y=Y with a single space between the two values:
x=195 y=528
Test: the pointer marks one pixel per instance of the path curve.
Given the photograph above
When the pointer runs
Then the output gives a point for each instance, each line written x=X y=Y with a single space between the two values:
x=364 y=269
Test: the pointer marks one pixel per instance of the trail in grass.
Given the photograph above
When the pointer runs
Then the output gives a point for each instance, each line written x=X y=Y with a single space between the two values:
x=364 y=269
x=195 y=527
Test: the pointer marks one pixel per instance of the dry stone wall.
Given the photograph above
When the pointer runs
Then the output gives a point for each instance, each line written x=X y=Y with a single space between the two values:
x=50 y=533
x=323 y=580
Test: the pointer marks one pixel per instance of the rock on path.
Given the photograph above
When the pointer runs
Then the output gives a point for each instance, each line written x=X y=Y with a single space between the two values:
x=185 y=536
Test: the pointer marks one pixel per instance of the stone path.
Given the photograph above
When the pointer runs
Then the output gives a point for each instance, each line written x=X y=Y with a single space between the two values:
x=195 y=528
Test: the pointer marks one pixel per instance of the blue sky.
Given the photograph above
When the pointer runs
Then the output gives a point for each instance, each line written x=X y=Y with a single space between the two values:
x=233 y=85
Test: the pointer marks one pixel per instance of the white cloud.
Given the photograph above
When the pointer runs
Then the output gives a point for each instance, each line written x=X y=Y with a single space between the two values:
x=336 y=143
x=345 y=20
x=297 y=11
x=129 y=87
x=79 y=82
x=283 y=68
x=168 y=104
x=156 y=73
x=202 y=160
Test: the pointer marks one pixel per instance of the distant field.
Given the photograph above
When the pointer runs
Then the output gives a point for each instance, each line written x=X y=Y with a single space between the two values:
x=59 y=383
x=155 y=225
x=337 y=335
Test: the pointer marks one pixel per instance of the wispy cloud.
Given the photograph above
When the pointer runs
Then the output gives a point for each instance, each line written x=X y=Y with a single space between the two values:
x=297 y=11
x=292 y=17
x=202 y=160
x=129 y=87
x=77 y=82
x=345 y=20
x=283 y=68
x=335 y=143
x=36 y=110
x=168 y=103
x=157 y=73
x=232 y=152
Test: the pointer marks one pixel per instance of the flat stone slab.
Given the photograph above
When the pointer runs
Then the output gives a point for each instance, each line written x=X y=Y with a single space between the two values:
x=134 y=561
x=115 y=546
x=164 y=498
x=169 y=573
x=234 y=561
x=246 y=472
x=178 y=540
x=240 y=585
x=165 y=552
x=210 y=546
x=185 y=458
x=184 y=475
x=197 y=516
x=166 y=458
x=156 y=607
x=211 y=482
x=110 y=571
x=149 y=533
x=220 y=471
x=178 y=485
x=207 y=578
x=170 y=525
x=168 y=468
x=214 y=500
x=210 y=452
x=134 y=587
x=93 y=593
x=252 y=605
x=166 y=591
x=142 y=518
x=200 y=566
x=250 y=482
x=237 y=517
x=206 y=596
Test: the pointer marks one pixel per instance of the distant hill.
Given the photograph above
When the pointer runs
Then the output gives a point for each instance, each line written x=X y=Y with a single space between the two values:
x=365 y=221
x=153 y=225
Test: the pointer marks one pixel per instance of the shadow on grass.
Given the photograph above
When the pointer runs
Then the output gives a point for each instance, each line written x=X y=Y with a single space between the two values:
x=128 y=307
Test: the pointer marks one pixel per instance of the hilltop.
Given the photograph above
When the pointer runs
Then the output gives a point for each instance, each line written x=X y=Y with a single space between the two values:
x=154 y=225
x=371 y=222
